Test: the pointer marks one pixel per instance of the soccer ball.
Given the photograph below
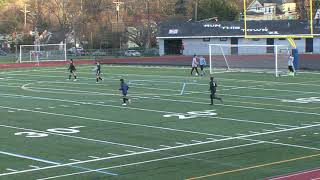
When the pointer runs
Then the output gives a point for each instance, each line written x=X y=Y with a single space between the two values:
x=197 y=74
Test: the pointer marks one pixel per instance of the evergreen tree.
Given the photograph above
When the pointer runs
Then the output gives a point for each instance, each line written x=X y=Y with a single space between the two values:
x=223 y=9
x=180 y=7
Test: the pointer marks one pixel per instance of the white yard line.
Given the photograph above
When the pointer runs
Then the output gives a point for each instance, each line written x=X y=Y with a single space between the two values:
x=77 y=137
x=162 y=149
x=160 y=75
x=143 y=109
x=32 y=166
x=94 y=157
x=153 y=160
x=12 y=170
x=89 y=93
x=49 y=162
x=147 y=126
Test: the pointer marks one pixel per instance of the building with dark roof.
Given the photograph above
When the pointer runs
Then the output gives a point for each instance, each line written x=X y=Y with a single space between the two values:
x=272 y=10
x=194 y=38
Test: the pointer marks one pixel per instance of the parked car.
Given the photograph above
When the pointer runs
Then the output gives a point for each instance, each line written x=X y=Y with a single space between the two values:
x=99 y=52
x=76 y=51
x=2 y=53
x=132 y=53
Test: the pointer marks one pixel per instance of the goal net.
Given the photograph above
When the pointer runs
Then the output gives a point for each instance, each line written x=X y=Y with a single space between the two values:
x=43 y=52
x=264 y=58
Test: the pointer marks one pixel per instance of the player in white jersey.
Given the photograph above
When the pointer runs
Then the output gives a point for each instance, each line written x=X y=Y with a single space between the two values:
x=194 y=65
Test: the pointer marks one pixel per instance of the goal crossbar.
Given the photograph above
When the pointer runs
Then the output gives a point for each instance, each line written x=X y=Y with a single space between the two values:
x=43 y=53
x=224 y=52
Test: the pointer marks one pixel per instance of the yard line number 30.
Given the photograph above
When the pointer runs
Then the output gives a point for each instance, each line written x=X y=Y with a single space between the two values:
x=30 y=134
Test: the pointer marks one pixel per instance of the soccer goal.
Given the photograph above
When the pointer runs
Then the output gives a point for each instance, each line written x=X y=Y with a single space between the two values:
x=261 y=58
x=42 y=53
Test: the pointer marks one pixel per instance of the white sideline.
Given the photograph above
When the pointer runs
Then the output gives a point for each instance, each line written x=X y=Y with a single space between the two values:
x=50 y=162
x=154 y=160
x=163 y=149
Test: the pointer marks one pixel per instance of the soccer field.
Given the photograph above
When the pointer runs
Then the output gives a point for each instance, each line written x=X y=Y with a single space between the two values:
x=52 y=128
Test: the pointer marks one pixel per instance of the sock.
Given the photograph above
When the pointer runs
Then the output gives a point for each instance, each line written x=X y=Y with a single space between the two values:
x=100 y=78
x=69 y=76
x=75 y=77
x=124 y=100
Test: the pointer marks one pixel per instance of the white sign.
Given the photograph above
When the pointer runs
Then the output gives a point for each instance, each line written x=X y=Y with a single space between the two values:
x=239 y=28
x=304 y=100
x=192 y=114
x=173 y=31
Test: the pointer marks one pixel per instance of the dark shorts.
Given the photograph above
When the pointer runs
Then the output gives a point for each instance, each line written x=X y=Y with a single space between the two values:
x=201 y=67
x=98 y=72
x=291 y=68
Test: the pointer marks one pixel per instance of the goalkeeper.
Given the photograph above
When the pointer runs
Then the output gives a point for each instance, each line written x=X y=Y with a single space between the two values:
x=291 y=66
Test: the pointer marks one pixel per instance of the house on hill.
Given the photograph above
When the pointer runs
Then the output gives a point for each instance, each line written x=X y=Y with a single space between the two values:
x=272 y=10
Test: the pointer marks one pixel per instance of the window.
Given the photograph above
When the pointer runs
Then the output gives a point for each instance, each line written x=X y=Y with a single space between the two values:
x=282 y=39
x=223 y=39
x=206 y=39
x=297 y=38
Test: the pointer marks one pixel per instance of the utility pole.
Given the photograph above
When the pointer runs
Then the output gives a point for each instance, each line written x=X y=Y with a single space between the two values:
x=25 y=12
x=118 y=4
x=148 y=31
x=196 y=10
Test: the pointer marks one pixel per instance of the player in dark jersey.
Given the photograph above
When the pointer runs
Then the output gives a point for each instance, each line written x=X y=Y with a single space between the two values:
x=213 y=90
x=98 y=72
x=72 y=69
x=124 y=91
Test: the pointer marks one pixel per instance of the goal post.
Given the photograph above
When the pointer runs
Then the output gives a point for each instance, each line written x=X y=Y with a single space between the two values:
x=259 y=58
x=42 y=53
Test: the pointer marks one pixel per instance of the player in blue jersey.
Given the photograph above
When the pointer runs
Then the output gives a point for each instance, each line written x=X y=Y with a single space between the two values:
x=124 y=91
x=202 y=63
x=72 y=69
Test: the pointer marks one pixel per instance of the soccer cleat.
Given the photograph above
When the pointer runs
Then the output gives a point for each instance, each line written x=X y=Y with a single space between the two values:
x=75 y=80
x=124 y=104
